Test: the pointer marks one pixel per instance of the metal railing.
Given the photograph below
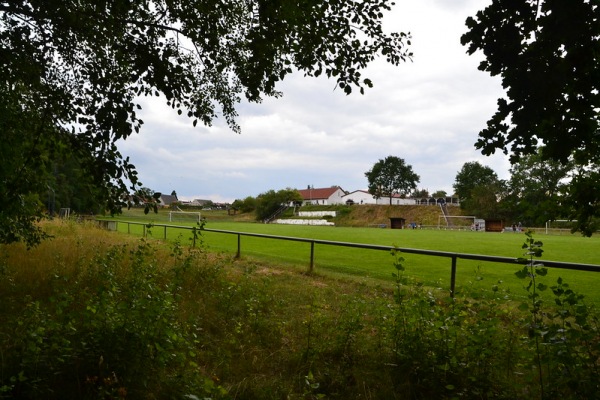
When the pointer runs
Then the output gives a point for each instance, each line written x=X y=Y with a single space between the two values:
x=434 y=253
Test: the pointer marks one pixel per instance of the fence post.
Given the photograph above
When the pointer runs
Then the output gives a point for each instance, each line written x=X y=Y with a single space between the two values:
x=128 y=228
x=165 y=232
x=239 y=249
x=453 y=277
x=312 y=256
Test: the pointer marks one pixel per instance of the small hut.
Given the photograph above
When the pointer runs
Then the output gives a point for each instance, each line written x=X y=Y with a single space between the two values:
x=397 y=223
x=494 y=225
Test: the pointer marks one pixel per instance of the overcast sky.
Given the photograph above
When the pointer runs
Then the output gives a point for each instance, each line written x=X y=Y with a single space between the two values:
x=428 y=112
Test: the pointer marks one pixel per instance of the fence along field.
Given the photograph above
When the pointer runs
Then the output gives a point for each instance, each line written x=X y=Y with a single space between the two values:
x=370 y=264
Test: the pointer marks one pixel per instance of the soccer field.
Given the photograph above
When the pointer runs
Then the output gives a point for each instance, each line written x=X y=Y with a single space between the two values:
x=431 y=271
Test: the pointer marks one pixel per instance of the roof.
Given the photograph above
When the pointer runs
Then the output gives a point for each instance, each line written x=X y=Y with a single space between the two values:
x=359 y=191
x=318 y=193
x=168 y=199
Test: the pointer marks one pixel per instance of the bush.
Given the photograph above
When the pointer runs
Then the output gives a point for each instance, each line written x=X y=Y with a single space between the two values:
x=110 y=329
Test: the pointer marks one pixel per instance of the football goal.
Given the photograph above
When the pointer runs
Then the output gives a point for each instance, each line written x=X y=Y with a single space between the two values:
x=457 y=222
x=184 y=216
x=560 y=225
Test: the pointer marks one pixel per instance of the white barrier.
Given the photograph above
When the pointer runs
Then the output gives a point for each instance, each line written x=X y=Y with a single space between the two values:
x=321 y=222
x=316 y=213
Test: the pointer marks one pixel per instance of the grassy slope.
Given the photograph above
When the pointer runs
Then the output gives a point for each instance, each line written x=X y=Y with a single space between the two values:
x=366 y=215
x=354 y=216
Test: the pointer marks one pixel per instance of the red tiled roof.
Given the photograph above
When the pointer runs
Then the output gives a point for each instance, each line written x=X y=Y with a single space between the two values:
x=318 y=193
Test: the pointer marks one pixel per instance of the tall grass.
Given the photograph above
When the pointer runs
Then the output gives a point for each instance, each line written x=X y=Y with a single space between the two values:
x=113 y=316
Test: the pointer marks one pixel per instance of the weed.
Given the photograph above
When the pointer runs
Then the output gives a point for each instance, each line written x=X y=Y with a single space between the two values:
x=565 y=334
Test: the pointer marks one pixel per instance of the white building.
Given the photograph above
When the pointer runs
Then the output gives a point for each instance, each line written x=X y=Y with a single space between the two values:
x=359 y=197
x=322 y=196
x=364 y=197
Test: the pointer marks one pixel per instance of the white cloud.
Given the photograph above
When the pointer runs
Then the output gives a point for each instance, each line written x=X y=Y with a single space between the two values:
x=427 y=111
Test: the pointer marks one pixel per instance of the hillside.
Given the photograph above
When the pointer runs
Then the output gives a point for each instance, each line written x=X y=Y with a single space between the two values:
x=355 y=216
x=366 y=215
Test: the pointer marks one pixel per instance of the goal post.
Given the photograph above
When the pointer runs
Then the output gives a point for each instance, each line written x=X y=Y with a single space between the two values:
x=559 y=224
x=457 y=221
x=185 y=216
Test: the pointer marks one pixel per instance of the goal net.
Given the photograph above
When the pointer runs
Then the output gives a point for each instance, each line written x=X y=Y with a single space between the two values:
x=457 y=222
x=560 y=226
x=184 y=216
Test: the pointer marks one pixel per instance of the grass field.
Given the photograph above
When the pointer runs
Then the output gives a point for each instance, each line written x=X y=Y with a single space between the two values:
x=378 y=265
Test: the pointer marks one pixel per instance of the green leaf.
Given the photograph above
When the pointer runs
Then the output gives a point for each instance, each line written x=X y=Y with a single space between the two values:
x=542 y=287
x=523 y=273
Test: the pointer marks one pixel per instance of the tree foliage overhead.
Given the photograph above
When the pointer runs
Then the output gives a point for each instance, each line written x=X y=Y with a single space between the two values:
x=547 y=53
x=73 y=72
x=391 y=176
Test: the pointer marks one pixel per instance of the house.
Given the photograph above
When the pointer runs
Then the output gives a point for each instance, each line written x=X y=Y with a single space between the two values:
x=200 y=202
x=322 y=196
x=167 y=199
x=364 y=197
x=359 y=197
x=397 y=200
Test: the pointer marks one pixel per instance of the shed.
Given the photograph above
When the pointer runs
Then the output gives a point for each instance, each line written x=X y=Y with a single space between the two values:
x=397 y=223
x=494 y=225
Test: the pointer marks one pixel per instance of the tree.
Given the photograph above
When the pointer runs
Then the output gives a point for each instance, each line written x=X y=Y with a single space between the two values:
x=24 y=170
x=480 y=191
x=148 y=198
x=537 y=188
x=420 y=193
x=583 y=201
x=70 y=187
x=488 y=200
x=248 y=204
x=268 y=203
x=547 y=53
x=472 y=175
x=72 y=74
x=439 y=194
x=391 y=176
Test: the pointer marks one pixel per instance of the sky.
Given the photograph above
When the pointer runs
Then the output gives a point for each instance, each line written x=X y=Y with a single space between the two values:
x=427 y=112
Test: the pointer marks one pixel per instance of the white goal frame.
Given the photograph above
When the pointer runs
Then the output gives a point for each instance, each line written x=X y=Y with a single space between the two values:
x=198 y=219
x=557 y=220
x=454 y=216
